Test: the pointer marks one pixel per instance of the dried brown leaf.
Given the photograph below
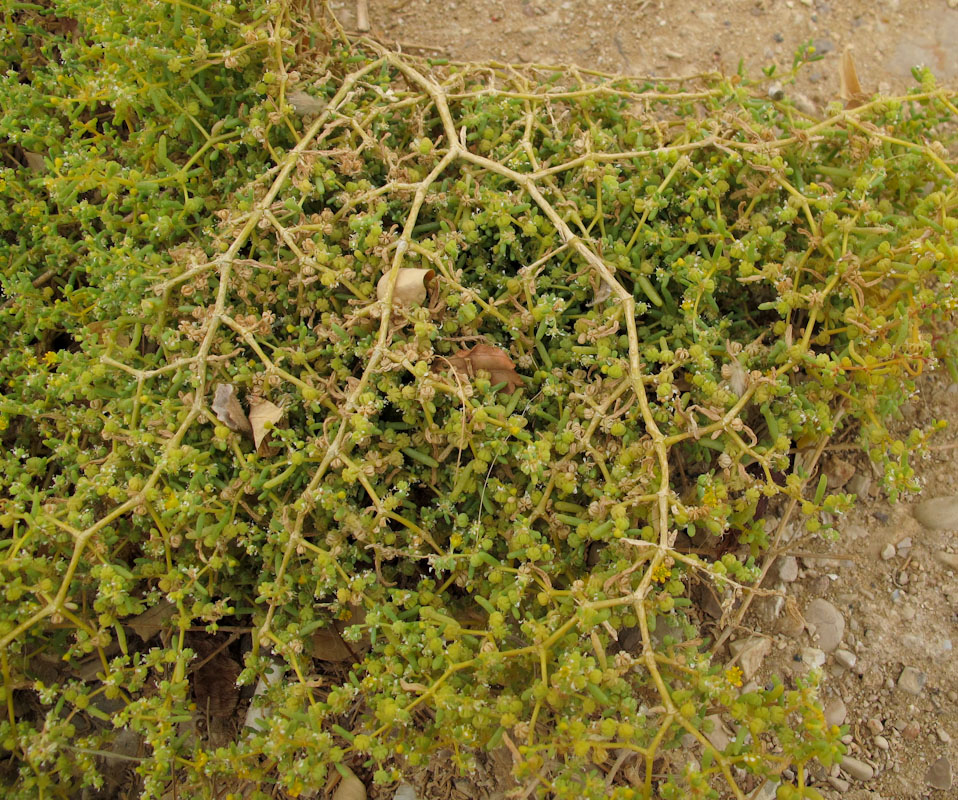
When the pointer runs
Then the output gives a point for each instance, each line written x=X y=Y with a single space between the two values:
x=411 y=286
x=850 y=89
x=34 y=161
x=228 y=410
x=491 y=359
x=350 y=787
x=304 y=104
x=214 y=683
x=328 y=645
x=261 y=414
x=151 y=621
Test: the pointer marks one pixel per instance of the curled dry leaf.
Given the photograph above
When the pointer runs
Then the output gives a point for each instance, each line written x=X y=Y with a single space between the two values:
x=261 y=414
x=350 y=787
x=850 y=89
x=491 y=359
x=226 y=406
x=411 y=286
x=304 y=104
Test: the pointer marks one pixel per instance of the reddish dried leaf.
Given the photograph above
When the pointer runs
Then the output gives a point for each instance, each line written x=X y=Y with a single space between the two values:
x=491 y=359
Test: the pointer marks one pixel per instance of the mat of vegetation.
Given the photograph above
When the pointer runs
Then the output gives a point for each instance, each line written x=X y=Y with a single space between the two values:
x=361 y=414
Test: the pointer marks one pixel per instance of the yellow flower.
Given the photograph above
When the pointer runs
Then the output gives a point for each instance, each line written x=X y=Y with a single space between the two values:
x=661 y=573
x=51 y=357
x=733 y=675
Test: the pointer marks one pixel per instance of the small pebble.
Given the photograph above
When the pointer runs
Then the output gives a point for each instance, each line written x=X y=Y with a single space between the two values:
x=911 y=731
x=858 y=770
x=904 y=547
x=813 y=657
x=846 y=658
x=944 y=736
x=838 y=783
x=828 y=621
x=888 y=552
x=911 y=680
x=881 y=743
x=405 y=792
x=875 y=726
x=939 y=513
x=788 y=569
x=939 y=774
x=859 y=485
x=835 y=712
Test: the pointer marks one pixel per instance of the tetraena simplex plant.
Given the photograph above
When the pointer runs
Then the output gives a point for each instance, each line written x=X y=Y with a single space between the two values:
x=698 y=286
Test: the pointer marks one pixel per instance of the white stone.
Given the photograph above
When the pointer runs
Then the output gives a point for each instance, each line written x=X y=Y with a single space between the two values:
x=835 y=711
x=858 y=770
x=828 y=621
x=751 y=653
x=911 y=680
x=788 y=569
x=939 y=513
x=846 y=658
x=813 y=657
x=888 y=552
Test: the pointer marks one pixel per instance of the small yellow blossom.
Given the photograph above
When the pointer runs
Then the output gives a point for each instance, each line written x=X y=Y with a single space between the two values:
x=661 y=573
x=733 y=675
x=51 y=357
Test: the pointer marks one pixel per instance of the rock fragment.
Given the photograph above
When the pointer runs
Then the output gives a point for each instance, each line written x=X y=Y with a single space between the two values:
x=846 y=658
x=911 y=680
x=788 y=569
x=751 y=653
x=856 y=769
x=828 y=622
x=939 y=513
x=939 y=774
x=835 y=711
